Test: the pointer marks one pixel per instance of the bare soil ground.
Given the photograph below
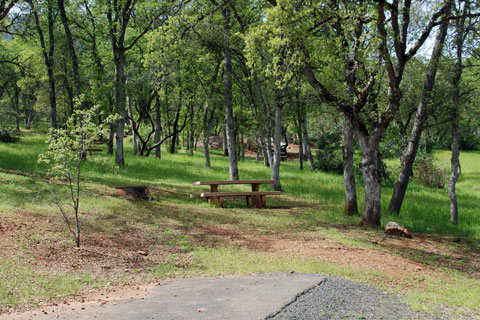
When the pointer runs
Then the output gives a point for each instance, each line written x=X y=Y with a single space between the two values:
x=397 y=257
x=134 y=249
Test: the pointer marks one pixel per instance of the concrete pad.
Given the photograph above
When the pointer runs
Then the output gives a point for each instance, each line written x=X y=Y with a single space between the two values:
x=244 y=297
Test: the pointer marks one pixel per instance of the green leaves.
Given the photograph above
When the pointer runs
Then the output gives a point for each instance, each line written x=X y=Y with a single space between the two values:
x=67 y=146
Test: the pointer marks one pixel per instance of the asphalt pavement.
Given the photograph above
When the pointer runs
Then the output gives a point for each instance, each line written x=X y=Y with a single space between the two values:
x=235 y=298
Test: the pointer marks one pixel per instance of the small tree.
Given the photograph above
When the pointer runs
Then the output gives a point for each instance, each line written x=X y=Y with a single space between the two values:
x=67 y=148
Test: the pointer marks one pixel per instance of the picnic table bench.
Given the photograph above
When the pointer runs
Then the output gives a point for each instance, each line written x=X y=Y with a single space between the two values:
x=254 y=198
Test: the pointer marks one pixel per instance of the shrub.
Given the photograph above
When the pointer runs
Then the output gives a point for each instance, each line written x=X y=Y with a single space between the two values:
x=329 y=154
x=469 y=141
x=6 y=137
x=428 y=174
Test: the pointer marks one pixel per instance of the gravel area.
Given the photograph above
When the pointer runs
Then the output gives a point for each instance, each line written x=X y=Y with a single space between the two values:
x=336 y=298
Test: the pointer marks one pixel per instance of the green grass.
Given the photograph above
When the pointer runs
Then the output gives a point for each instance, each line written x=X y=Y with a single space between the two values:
x=316 y=198
x=24 y=285
x=424 y=209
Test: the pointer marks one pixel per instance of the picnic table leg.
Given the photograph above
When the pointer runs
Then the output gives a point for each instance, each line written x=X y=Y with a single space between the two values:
x=256 y=200
x=264 y=201
x=249 y=201
x=216 y=200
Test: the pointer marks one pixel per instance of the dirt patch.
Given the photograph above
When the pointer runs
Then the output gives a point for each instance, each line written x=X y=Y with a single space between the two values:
x=131 y=249
x=50 y=247
x=399 y=258
x=317 y=247
x=448 y=252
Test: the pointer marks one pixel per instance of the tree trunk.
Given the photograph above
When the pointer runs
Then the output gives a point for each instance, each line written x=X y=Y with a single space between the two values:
x=277 y=143
x=264 y=150
x=306 y=141
x=348 y=169
x=259 y=150
x=111 y=136
x=120 y=103
x=71 y=48
x=158 y=128
x=191 y=136
x=28 y=111
x=351 y=65
x=133 y=124
x=242 y=147
x=227 y=79
x=267 y=145
x=412 y=147
x=372 y=177
x=225 y=144
x=48 y=59
x=175 y=138
x=206 y=149
x=184 y=140
x=300 y=131
x=207 y=128
x=16 y=107
x=455 y=160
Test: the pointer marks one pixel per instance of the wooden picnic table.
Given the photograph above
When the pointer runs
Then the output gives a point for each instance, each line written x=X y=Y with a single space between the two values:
x=254 y=198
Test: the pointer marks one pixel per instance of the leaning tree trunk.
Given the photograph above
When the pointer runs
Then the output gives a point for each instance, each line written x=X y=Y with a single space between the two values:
x=372 y=177
x=277 y=143
x=412 y=147
x=71 y=48
x=348 y=169
x=227 y=79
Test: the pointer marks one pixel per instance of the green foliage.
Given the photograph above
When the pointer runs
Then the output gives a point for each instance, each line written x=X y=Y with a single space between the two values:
x=329 y=154
x=6 y=137
x=469 y=141
x=428 y=174
x=67 y=146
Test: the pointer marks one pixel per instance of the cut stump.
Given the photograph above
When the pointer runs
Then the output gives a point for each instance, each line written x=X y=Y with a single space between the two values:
x=137 y=193
x=395 y=229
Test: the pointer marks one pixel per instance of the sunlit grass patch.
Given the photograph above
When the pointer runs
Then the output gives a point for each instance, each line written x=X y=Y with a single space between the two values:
x=23 y=284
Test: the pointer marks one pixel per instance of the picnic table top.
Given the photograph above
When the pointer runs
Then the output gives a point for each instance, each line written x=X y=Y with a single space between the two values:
x=202 y=183
x=229 y=194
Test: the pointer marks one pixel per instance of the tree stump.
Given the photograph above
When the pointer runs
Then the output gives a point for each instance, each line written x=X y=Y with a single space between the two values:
x=136 y=193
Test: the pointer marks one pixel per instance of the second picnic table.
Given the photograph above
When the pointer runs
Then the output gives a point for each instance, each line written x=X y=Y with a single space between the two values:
x=254 y=198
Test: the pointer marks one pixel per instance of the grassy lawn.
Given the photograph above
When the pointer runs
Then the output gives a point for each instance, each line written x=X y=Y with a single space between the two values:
x=304 y=230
